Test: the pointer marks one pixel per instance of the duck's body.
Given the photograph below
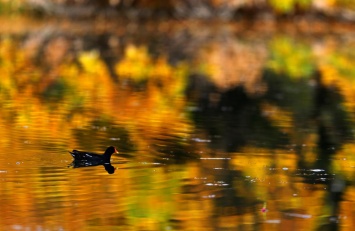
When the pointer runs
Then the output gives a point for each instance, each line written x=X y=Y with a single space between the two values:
x=91 y=159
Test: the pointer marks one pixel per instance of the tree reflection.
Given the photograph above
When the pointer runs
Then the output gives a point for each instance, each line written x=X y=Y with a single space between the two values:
x=333 y=132
x=234 y=119
x=235 y=196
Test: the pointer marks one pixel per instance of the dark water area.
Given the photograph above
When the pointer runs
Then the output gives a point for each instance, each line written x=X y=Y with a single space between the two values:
x=219 y=126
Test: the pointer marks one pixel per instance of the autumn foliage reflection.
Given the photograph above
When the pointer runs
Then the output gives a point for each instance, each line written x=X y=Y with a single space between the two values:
x=251 y=120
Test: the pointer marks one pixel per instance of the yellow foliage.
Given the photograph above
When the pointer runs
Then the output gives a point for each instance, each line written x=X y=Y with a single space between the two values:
x=161 y=69
x=91 y=87
x=136 y=64
x=288 y=6
x=344 y=161
x=90 y=61
x=139 y=66
x=285 y=6
x=291 y=58
x=163 y=99
x=333 y=78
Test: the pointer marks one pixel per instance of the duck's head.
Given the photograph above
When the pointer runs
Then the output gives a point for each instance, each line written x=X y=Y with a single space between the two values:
x=110 y=150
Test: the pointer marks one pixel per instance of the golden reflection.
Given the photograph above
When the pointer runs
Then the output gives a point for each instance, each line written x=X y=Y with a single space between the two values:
x=76 y=102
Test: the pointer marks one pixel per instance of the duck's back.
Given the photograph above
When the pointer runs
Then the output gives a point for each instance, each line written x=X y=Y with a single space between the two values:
x=92 y=158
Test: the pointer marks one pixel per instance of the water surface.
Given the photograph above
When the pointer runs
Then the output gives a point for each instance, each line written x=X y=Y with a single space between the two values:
x=217 y=129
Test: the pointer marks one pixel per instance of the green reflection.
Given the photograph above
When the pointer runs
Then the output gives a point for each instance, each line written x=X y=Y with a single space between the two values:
x=291 y=57
x=151 y=200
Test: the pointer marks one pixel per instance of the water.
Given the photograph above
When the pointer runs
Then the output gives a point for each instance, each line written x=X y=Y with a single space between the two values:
x=216 y=130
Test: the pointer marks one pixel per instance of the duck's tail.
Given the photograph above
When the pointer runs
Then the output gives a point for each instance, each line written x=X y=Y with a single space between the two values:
x=73 y=153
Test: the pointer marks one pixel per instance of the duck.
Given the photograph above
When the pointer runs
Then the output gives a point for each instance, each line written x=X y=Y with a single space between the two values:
x=91 y=159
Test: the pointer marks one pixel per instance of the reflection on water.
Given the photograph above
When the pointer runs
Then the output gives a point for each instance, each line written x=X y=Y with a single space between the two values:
x=110 y=169
x=215 y=131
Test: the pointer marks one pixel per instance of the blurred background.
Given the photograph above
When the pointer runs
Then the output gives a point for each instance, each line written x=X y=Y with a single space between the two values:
x=228 y=115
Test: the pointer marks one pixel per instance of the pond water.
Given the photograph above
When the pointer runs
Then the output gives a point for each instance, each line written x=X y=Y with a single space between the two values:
x=218 y=126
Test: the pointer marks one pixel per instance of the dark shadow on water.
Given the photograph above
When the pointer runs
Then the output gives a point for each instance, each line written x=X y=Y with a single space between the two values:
x=109 y=168
x=333 y=128
x=82 y=164
x=233 y=118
